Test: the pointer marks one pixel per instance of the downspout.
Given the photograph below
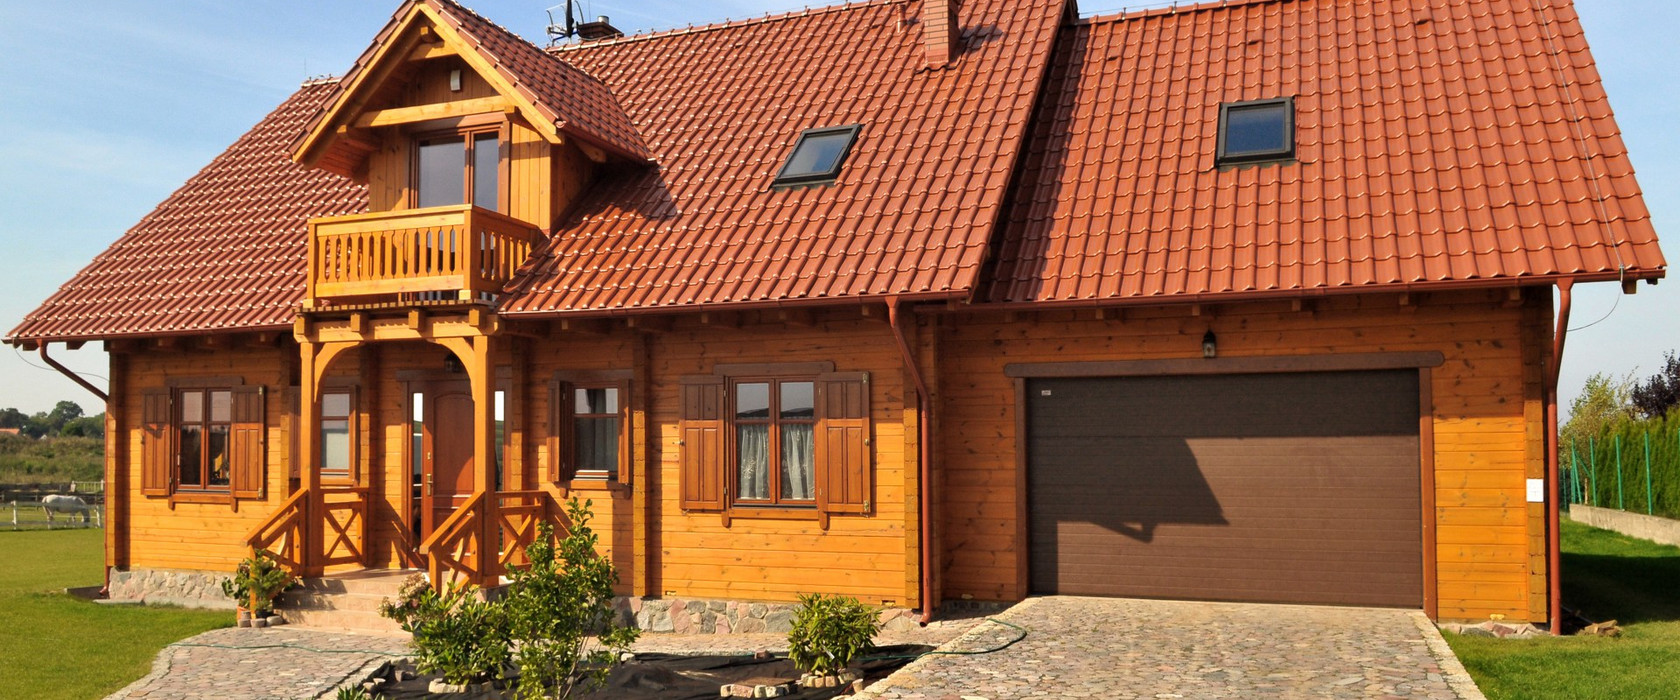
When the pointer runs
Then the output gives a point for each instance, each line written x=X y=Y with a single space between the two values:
x=72 y=375
x=1554 y=544
x=103 y=398
x=924 y=480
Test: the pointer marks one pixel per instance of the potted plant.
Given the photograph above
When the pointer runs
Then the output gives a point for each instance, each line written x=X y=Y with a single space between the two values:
x=255 y=584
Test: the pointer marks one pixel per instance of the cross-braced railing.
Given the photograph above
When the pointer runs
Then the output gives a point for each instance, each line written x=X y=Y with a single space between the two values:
x=508 y=519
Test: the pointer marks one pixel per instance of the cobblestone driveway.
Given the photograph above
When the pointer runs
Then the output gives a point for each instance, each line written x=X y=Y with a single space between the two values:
x=261 y=664
x=1115 y=648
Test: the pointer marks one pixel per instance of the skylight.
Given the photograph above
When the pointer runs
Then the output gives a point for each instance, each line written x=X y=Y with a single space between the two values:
x=817 y=155
x=1258 y=131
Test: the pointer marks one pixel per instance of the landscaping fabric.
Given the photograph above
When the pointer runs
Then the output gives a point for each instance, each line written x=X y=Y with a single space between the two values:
x=679 y=677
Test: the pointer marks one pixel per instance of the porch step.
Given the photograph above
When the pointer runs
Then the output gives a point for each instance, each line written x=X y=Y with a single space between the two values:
x=344 y=602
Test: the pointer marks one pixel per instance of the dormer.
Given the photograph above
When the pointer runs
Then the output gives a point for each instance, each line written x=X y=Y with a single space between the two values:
x=449 y=120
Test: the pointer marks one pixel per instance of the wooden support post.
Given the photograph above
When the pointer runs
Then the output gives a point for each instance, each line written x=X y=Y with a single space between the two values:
x=483 y=377
x=642 y=582
x=372 y=458
x=309 y=553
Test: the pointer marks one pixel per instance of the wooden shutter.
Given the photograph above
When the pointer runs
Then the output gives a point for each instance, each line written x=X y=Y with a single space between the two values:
x=156 y=453
x=844 y=477
x=560 y=451
x=701 y=450
x=246 y=444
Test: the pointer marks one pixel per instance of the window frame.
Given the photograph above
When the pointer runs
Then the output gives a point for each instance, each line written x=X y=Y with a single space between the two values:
x=784 y=180
x=774 y=421
x=562 y=424
x=352 y=425
x=1222 y=156
x=177 y=422
x=468 y=133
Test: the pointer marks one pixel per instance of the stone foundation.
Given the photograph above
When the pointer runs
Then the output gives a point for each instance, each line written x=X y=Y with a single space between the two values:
x=700 y=616
x=188 y=589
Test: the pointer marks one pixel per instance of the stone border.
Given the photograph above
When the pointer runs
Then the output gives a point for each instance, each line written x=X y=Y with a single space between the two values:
x=724 y=617
x=1452 y=670
x=1646 y=527
x=188 y=589
x=357 y=678
x=161 y=666
x=893 y=680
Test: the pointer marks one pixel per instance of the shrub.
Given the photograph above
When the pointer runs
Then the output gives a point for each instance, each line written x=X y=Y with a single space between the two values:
x=555 y=603
x=829 y=632
x=457 y=634
x=257 y=582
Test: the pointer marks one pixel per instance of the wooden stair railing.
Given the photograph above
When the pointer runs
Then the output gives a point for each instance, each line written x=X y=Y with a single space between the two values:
x=454 y=545
x=344 y=530
x=344 y=525
x=280 y=535
x=455 y=550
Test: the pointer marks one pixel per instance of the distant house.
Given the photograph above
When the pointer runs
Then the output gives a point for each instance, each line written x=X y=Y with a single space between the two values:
x=908 y=300
x=10 y=431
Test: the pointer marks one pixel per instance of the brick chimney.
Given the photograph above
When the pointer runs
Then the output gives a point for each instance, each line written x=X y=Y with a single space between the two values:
x=939 y=31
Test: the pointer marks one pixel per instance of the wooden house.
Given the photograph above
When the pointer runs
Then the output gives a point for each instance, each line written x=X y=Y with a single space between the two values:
x=916 y=301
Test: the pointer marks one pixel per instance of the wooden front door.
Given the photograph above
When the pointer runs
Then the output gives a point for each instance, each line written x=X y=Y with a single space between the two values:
x=446 y=477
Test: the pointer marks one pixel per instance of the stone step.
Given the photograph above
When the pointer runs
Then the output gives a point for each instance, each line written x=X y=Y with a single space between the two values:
x=308 y=600
x=353 y=621
x=377 y=582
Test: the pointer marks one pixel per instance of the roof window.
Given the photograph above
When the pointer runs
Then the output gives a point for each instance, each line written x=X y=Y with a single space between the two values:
x=1256 y=132
x=817 y=156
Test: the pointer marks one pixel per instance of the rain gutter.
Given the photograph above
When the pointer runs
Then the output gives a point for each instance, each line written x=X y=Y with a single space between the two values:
x=1554 y=546
x=924 y=490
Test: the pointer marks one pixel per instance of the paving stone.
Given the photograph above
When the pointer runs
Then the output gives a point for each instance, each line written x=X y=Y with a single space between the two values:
x=1117 y=648
x=262 y=664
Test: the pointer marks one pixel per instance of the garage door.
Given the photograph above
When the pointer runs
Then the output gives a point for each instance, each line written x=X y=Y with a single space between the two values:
x=1299 y=488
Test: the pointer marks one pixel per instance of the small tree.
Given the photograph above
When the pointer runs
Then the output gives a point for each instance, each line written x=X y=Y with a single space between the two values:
x=555 y=603
x=1660 y=392
x=457 y=634
x=829 y=632
x=1603 y=402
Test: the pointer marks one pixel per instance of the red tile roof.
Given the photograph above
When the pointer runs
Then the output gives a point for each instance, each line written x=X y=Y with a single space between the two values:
x=721 y=106
x=225 y=252
x=1438 y=142
x=1438 y=145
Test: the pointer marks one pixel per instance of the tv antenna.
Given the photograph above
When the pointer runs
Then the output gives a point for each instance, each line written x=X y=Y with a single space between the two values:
x=568 y=29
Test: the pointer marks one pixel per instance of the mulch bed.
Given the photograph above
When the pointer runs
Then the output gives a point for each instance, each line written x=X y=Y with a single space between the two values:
x=674 y=677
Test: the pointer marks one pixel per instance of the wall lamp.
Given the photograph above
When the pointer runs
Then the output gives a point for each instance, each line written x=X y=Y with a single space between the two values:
x=1210 y=345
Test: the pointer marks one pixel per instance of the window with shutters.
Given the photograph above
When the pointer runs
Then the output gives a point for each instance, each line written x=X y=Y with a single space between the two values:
x=589 y=412
x=754 y=439
x=203 y=440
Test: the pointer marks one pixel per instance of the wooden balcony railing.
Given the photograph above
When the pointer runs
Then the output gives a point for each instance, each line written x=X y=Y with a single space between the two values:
x=457 y=252
x=343 y=531
x=455 y=551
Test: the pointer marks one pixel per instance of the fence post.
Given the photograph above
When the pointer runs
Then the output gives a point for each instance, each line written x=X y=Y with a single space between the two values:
x=1648 y=509
x=1592 y=465
x=1574 y=474
x=1621 y=495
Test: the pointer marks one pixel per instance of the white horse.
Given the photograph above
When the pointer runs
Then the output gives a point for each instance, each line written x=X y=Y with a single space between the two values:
x=69 y=505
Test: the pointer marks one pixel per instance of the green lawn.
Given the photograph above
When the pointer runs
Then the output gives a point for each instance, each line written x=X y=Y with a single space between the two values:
x=1607 y=577
x=56 y=646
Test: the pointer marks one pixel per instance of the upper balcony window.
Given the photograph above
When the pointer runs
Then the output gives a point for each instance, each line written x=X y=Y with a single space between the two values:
x=458 y=169
x=1256 y=132
x=817 y=155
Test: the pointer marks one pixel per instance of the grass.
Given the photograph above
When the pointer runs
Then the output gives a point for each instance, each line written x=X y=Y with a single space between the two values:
x=1607 y=577
x=57 y=646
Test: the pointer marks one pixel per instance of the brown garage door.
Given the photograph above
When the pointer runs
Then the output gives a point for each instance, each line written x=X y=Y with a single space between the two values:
x=1298 y=488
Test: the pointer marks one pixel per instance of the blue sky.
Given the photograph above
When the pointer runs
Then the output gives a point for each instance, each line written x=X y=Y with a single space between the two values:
x=111 y=105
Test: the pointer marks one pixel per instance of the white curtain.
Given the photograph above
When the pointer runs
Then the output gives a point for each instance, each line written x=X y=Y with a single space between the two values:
x=798 y=445
x=752 y=446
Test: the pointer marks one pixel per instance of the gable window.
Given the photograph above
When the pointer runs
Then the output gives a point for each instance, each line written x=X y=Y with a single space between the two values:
x=205 y=417
x=1256 y=131
x=818 y=155
x=776 y=441
x=337 y=428
x=458 y=168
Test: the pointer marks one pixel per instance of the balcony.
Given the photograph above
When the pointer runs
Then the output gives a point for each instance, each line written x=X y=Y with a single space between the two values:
x=452 y=254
